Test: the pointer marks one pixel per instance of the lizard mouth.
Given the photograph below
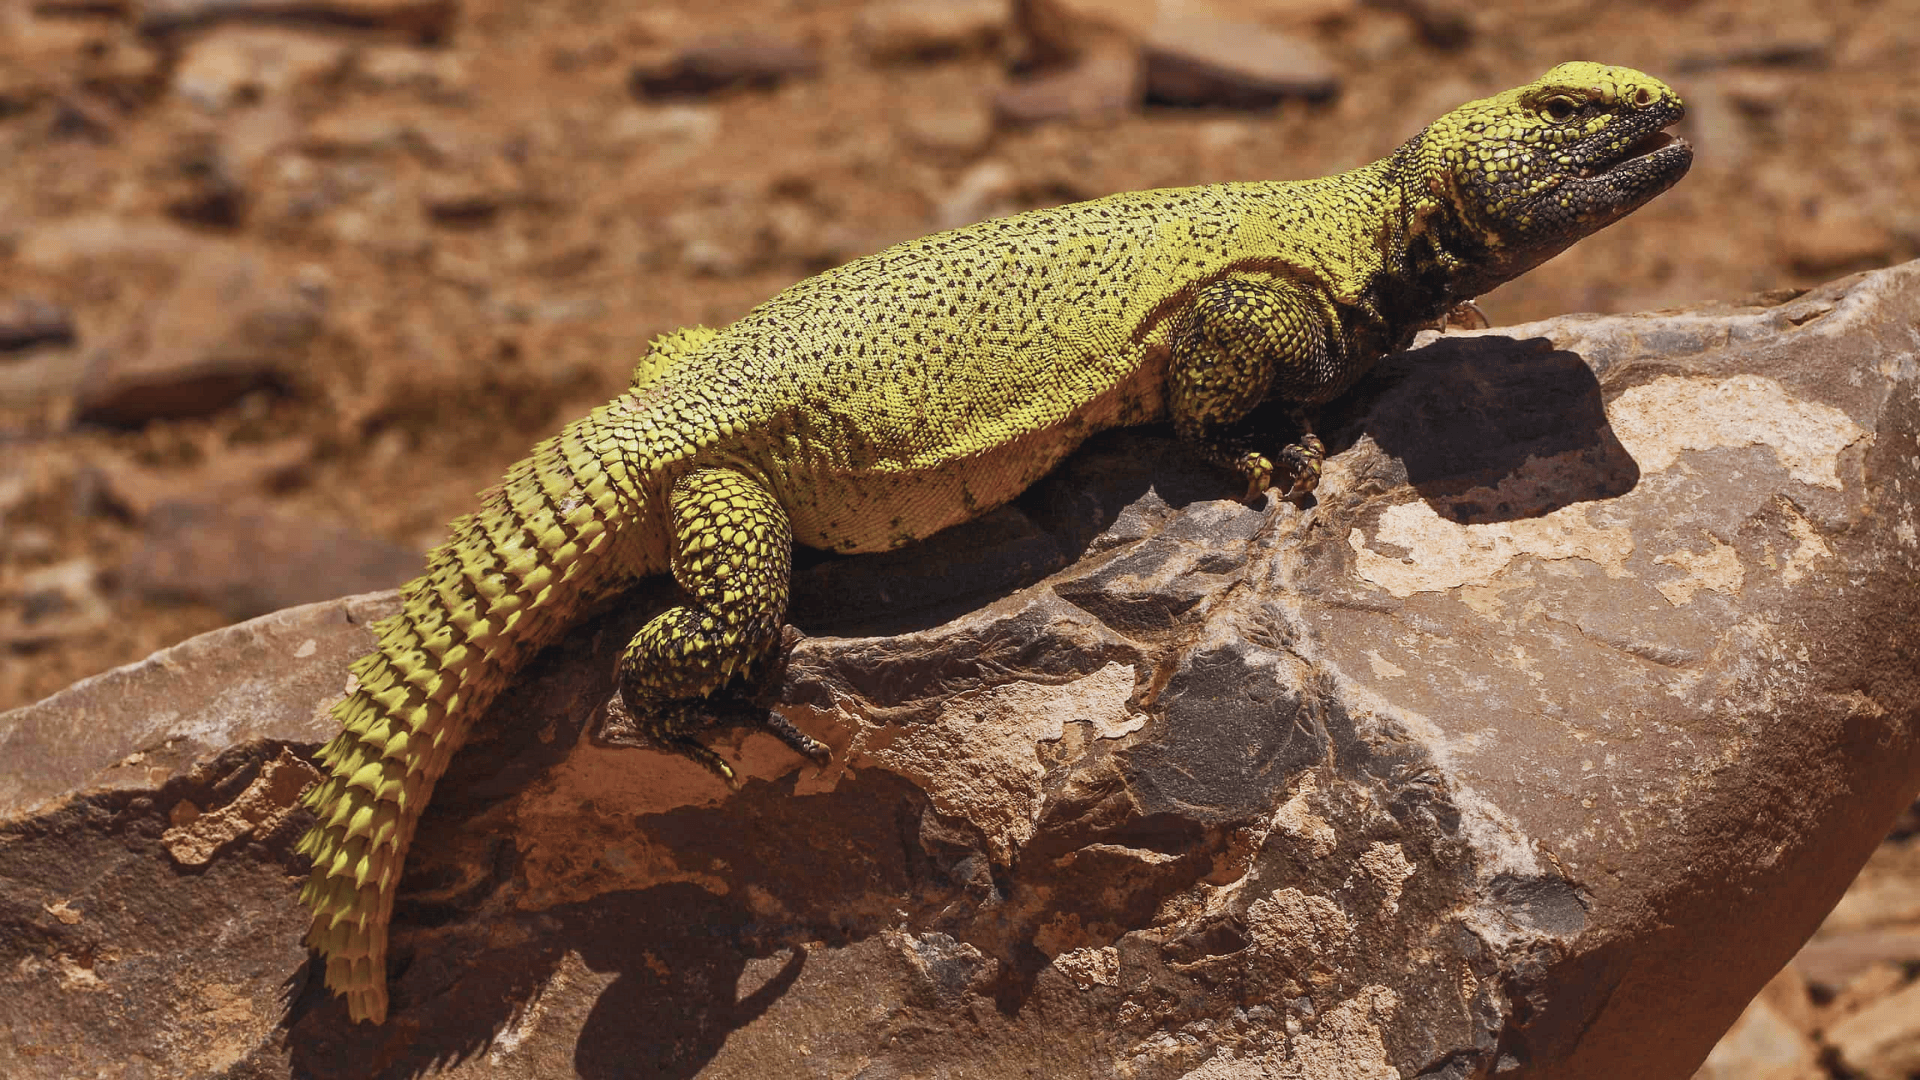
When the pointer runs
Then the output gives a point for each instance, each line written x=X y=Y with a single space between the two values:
x=1657 y=151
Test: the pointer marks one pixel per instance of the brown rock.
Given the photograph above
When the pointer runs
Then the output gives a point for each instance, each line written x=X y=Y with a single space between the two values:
x=1444 y=24
x=60 y=245
x=470 y=192
x=259 y=810
x=1793 y=43
x=86 y=65
x=225 y=474
x=893 y=30
x=1882 y=1041
x=958 y=126
x=247 y=562
x=1060 y=30
x=1293 y=13
x=422 y=20
x=1534 y=747
x=1835 y=959
x=27 y=321
x=227 y=328
x=711 y=66
x=1098 y=58
x=1876 y=922
x=1772 y=1040
x=1197 y=59
x=392 y=67
x=978 y=193
x=246 y=65
x=47 y=603
x=1836 y=238
x=201 y=187
x=1104 y=81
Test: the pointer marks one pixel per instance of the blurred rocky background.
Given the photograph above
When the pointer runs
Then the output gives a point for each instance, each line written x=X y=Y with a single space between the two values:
x=283 y=282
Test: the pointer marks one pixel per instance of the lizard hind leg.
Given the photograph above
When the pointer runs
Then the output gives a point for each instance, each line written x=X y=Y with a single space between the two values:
x=732 y=556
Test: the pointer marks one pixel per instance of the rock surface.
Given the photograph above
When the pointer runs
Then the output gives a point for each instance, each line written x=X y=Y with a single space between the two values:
x=1532 y=749
x=1196 y=59
x=712 y=65
x=247 y=561
x=228 y=328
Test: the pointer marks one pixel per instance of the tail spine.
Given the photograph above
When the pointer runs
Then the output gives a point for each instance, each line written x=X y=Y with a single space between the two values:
x=505 y=583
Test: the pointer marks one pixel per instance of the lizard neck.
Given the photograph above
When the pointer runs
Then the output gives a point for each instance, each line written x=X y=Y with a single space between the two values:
x=1432 y=257
x=1448 y=249
x=1420 y=257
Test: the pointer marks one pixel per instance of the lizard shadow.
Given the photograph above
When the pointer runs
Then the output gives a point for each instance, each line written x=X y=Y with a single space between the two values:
x=1489 y=428
x=960 y=570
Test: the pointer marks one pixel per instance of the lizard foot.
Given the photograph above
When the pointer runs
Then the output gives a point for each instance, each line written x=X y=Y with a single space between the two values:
x=699 y=752
x=806 y=745
x=728 y=710
x=1258 y=469
x=1303 y=459
x=1465 y=315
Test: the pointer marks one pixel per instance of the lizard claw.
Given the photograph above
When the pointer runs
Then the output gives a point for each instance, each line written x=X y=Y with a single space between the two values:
x=1258 y=469
x=1465 y=315
x=1304 y=459
x=802 y=743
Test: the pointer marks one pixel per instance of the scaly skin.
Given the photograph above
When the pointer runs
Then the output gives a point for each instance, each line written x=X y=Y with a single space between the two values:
x=882 y=401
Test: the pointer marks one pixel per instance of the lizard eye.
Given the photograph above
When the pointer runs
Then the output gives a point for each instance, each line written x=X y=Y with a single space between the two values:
x=1559 y=108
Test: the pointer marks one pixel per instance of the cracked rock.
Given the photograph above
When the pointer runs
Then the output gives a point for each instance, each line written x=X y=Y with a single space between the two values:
x=1533 y=747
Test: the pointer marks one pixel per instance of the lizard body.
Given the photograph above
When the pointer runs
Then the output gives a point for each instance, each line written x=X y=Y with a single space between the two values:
x=879 y=402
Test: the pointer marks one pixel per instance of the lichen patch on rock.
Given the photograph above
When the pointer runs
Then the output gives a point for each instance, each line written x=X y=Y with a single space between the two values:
x=1660 y=420
x=1452 y=554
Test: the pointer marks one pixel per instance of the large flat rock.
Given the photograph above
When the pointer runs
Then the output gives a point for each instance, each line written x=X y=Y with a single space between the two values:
x=1531 y=749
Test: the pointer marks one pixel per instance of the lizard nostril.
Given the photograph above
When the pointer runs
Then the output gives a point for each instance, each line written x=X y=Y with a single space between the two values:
x=1642 y=96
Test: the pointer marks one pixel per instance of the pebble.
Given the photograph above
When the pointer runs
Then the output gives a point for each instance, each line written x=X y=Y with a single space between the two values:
x=717 y=64
x=892 y=30
x=1205 y=61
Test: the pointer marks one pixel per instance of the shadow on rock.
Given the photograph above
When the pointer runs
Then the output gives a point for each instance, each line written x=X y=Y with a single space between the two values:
x=1492 y=428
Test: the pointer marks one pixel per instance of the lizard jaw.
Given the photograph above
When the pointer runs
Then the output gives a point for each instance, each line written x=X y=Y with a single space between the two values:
x=1659 y=150
x=1650 y=164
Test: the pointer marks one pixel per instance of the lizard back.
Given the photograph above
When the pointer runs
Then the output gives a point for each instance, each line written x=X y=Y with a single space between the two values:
x=921 y=386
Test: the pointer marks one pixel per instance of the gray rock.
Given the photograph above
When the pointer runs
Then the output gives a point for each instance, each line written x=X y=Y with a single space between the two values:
x=1533 y=748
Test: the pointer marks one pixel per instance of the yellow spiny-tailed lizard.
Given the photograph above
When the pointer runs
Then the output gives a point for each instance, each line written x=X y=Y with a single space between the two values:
x=915 y=388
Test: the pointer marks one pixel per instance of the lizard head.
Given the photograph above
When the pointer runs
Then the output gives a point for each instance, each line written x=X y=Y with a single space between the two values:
x=1530 y=171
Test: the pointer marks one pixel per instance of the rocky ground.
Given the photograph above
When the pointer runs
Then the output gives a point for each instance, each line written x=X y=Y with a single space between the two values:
x=283 y=282
x=1849 y=1005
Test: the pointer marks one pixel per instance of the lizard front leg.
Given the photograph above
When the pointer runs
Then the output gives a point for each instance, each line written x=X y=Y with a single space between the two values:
x=1241 y=339
x=732 y=555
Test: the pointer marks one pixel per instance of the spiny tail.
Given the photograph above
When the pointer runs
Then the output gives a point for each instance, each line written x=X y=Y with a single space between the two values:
x=506 y=582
